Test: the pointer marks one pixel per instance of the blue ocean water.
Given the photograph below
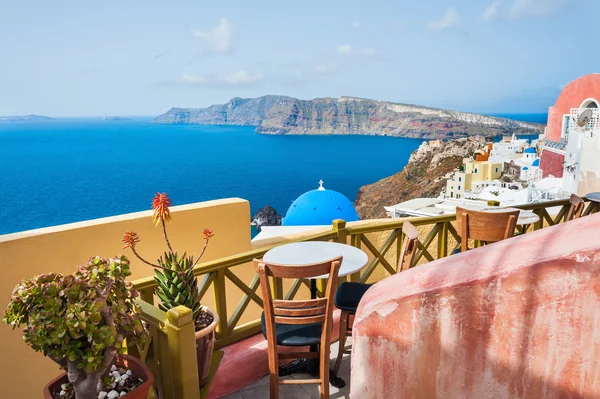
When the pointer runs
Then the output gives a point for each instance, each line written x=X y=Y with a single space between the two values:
x=535 y=118
x=69 y=170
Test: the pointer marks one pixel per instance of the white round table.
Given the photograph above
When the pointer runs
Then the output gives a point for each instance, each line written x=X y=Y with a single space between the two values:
x=595 y=197
x=304 y=253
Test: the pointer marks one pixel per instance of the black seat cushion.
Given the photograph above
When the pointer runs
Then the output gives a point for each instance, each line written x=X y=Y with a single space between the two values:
x=349 y=294
x=295 y=334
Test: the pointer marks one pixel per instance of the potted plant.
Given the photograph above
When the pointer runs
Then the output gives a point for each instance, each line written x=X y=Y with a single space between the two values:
x=81 y=321
x=177 y=285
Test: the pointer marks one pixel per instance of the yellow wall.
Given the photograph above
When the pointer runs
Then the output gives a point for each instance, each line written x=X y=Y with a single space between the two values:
x=485 y=171
x=62 y=248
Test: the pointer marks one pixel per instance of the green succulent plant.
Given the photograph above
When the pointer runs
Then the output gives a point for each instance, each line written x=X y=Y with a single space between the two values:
x=174 y=287
x=174 y=274
x=80 y=320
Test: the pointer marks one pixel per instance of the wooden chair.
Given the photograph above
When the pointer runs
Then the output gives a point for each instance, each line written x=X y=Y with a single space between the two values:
x=484 y=226
x=576 y=208
x=298 y=322
x=349 y=294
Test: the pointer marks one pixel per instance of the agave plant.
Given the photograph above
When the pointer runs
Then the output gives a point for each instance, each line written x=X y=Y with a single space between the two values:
x=174 y=273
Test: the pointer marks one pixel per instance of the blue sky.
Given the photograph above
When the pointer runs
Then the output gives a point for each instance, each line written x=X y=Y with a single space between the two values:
x=78 y=58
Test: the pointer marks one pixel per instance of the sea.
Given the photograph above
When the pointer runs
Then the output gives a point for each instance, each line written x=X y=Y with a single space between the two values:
x=74 y=169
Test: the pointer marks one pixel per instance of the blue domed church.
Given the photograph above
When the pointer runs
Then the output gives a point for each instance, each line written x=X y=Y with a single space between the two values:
x=319 y=207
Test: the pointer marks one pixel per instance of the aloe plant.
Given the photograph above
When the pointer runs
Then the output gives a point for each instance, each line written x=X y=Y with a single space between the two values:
x=174 y=274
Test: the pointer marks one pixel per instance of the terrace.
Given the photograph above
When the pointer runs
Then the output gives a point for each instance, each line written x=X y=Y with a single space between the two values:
x=229 y=284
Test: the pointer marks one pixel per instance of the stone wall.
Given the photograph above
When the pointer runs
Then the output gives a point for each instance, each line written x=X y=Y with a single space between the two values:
x=515 y=319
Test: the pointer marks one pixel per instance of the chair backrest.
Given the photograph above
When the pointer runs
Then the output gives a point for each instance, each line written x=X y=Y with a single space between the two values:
x=305 y=311
x=409 y=246
x=485 y=226
x=576 y=208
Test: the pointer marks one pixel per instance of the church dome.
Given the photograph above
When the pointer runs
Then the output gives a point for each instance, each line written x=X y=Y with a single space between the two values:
x=319 y=207
x=529 y=151
x=536 y=163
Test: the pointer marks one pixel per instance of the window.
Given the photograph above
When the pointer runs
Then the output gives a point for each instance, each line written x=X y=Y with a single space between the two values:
x=451 y=195
x=496 y=170
x=460 y=179
x=475 y=170
x=458 y=188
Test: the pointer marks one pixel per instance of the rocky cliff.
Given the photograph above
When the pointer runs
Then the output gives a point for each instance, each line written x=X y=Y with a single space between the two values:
x=346 y=115
x=267 y=216
x=423 y=176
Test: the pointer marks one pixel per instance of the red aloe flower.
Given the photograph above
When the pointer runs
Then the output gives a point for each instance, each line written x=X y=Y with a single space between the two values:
x=130 y=239
x=208 y=234
x=160 y=205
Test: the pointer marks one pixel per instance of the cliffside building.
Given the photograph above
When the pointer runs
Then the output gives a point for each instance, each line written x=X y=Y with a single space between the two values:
x=476 y=176
x=572 y=152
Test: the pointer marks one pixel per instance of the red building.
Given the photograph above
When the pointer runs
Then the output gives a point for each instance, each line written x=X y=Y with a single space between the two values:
x=578 y=95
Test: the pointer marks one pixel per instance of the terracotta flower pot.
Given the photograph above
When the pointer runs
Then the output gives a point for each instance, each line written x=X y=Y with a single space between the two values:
x=134 y=364
x=205 y=343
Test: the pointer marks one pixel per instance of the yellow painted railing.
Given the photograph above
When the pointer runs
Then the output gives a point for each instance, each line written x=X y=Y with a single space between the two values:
x=171 y=353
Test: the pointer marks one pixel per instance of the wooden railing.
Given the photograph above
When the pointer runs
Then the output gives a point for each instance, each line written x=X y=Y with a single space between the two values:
x=171 y=353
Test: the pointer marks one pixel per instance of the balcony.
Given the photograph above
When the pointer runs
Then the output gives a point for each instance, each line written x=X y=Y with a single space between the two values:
x=593 y=124
x=555 y=145
x=228 y=284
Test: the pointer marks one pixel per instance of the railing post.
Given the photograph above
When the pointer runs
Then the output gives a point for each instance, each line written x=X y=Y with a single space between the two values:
x=220 y=302
x=277 y=287
x=355 y=242
x=443 y=241
x=339 y=226
x=147 y=295
x=182 y=353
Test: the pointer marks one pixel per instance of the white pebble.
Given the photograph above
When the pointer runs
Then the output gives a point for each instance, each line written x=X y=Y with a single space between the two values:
x=113 y=368
x=116 y=374
x=123 y=393
x=124 y=376
x=112 y=385
x=121 y=383
x=102 y=394
x=129 y=372
x=113 y=395
x=62 y=393
x=64 y=387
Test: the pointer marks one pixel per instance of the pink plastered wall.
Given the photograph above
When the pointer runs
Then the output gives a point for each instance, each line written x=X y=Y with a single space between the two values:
x=515 y=319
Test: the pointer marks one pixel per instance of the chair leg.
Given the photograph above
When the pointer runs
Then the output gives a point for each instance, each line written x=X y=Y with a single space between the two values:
x=274 y=386
x=273 y=375
x=344 y=317
x=324 y=373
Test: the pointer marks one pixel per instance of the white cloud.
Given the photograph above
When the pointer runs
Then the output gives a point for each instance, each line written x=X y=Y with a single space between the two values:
x=192 y=79
x=241 y=78
x=491 y=12
x=448 y=21
x=238 y=78
x=326 y=68
x=521 y=8
x=218 y=39
x=356 y=24
x=346 y=49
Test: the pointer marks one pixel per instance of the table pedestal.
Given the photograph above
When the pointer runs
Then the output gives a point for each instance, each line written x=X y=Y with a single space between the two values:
x=310 y=366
